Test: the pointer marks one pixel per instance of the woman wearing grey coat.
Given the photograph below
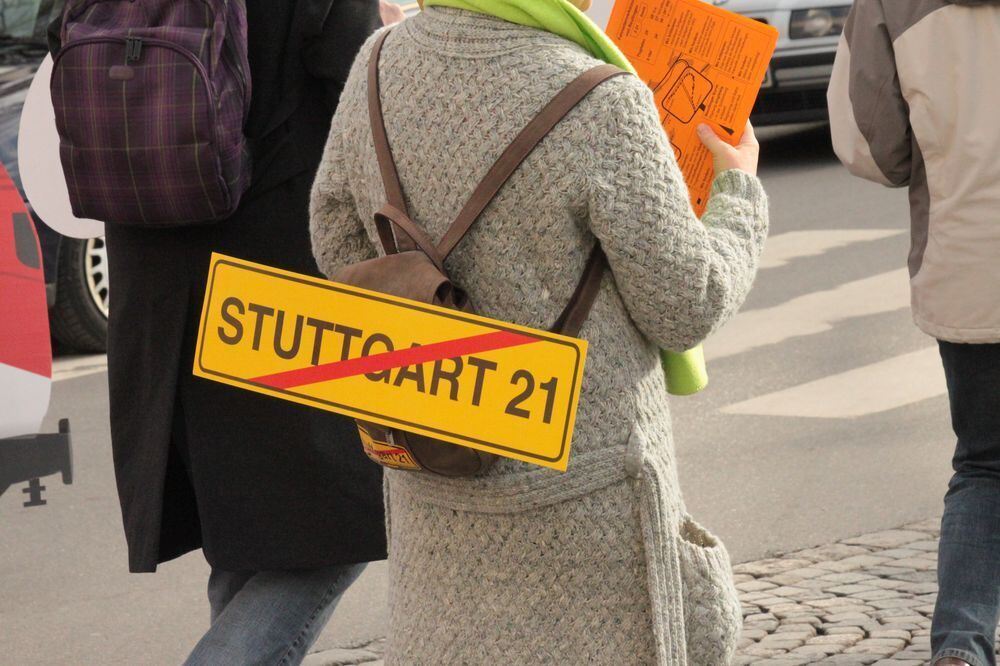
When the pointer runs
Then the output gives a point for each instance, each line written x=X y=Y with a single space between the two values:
x=600 y=565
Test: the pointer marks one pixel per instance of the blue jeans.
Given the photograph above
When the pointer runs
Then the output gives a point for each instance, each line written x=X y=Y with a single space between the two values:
x=968 y=604
x=269 y=618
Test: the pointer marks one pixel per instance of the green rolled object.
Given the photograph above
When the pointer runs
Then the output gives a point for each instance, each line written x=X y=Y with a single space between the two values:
x=686 y=372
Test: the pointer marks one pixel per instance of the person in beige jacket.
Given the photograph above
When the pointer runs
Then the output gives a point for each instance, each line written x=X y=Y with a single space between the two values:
x=914 y=102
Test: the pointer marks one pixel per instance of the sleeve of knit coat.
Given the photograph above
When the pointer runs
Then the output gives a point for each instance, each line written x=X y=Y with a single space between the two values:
x=680 y=277
x=338 y=236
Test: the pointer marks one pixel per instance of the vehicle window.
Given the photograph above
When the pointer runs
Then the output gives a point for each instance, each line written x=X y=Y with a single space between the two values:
x=25 y=246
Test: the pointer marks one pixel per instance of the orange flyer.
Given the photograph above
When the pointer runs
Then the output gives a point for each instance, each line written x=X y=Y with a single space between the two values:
x=704 y=64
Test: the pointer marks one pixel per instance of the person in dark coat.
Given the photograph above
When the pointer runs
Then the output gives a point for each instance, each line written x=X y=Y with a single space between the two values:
x=280 y=497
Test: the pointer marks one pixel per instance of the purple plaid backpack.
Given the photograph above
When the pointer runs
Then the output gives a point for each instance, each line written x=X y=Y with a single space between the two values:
x=151 y=97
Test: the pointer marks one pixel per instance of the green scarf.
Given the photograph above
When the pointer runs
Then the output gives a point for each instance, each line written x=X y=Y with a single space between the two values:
x=686 y=372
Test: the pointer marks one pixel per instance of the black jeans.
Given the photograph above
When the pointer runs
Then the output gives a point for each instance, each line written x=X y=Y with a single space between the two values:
x=968 y=604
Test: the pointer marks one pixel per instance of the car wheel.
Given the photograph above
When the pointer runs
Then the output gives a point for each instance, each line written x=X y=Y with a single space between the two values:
x=79 y=318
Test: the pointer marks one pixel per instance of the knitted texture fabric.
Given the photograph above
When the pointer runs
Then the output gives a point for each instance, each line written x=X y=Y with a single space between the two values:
x=600 y=565
x=686 y=371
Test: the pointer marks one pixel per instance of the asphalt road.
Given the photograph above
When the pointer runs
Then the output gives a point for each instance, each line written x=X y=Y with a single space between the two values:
x=826 y=418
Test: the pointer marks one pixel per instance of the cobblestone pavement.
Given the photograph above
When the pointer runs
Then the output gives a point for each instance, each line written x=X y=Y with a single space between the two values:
x=864 y=600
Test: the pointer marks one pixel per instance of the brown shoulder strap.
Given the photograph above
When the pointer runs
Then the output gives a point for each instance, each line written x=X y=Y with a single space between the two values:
x=580 y=304
x=518 y=151
x=386 y=163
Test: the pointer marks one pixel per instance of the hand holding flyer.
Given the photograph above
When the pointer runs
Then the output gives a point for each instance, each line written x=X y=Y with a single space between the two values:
x=704 y=64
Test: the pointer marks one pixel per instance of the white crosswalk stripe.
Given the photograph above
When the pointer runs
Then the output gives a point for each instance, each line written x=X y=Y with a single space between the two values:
x=78 y=366
x=810 y=314
x=854 y=392
x=784 y=248
x=870 y=389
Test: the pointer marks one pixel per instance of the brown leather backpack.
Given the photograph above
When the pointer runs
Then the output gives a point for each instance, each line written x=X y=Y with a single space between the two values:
x=413 y=265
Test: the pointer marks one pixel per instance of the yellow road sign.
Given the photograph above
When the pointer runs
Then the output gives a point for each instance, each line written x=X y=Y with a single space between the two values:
x=458 y=377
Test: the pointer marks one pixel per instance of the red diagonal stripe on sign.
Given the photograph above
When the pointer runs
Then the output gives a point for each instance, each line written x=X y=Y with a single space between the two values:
x=352 y=367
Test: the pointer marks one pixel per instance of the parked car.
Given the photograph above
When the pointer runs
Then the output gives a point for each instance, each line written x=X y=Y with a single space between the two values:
x=76 y=271
x=795 y=88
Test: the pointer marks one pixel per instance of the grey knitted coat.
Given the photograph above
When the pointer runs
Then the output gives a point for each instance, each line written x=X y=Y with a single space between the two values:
x=600 y=565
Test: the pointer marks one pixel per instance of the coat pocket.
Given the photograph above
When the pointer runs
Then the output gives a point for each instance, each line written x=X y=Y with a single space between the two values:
x=712 y=614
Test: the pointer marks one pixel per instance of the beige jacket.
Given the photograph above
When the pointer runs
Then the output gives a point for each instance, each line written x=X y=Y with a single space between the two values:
x=915 y=100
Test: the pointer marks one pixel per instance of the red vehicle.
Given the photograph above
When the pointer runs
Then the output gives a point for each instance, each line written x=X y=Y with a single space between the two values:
x=76 y=271
x=25 y=355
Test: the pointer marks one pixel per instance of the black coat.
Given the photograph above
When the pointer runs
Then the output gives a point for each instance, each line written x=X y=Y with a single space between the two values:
x=258 y=483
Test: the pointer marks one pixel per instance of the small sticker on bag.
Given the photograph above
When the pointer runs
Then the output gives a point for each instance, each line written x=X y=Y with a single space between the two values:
x=386 y=453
